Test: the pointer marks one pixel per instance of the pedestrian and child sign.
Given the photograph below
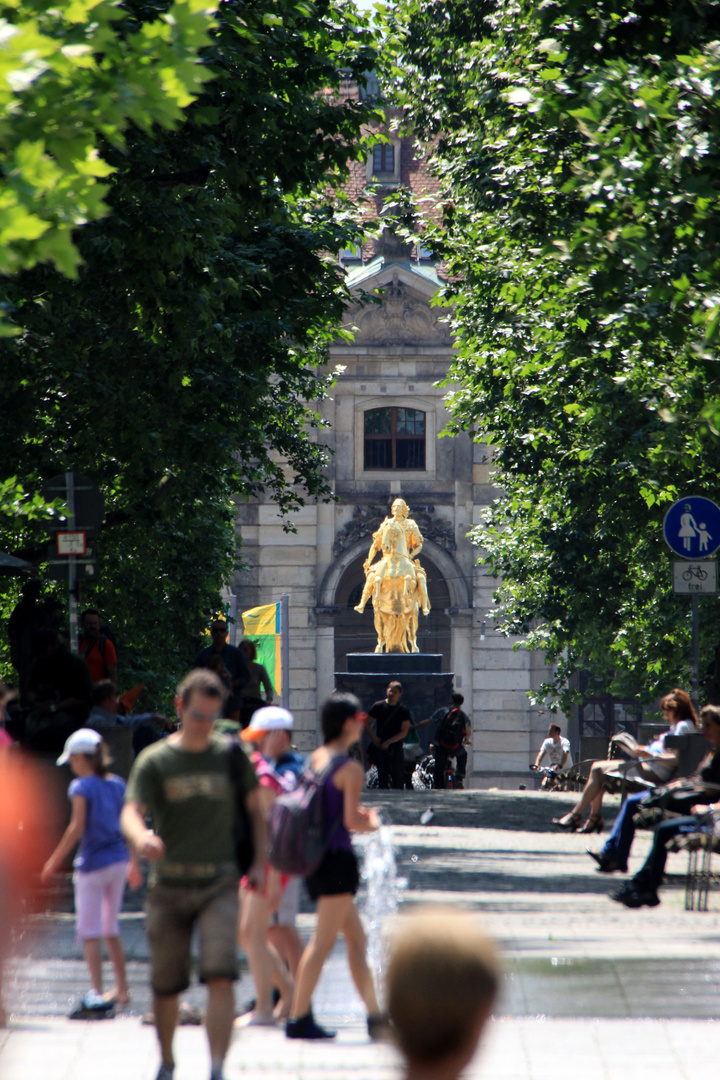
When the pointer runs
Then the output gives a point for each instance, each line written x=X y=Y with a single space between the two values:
x=692 y=527
x=692 y=530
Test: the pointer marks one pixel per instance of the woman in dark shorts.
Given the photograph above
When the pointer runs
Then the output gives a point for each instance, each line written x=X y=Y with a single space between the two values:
x=334 y=884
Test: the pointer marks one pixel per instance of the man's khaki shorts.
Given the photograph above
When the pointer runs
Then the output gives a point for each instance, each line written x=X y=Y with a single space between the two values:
x=172 y=911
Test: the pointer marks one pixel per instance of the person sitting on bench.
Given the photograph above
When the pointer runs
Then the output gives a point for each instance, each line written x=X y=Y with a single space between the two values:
x=642 y=889
x=654 y=764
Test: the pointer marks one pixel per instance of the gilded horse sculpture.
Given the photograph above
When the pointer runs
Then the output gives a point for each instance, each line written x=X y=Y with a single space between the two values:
x=397 y=583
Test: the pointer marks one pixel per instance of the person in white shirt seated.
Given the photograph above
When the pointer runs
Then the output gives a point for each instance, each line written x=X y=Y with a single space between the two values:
x=654 y=763
x=556 y=749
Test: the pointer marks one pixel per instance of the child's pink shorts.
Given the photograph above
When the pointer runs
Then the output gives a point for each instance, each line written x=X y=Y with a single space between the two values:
x=98 y=900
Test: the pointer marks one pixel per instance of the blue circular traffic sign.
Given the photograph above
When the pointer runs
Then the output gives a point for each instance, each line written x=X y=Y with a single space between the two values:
x=692 y=527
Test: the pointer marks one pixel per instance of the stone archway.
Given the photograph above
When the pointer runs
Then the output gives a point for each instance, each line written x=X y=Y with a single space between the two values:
x=356 y=633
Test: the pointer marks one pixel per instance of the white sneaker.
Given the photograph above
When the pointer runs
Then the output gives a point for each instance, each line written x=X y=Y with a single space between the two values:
x=92 y=1000
x=255 y=1019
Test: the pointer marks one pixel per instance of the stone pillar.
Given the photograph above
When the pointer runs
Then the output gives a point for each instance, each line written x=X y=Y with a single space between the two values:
x=461 y=660
x=325 y=623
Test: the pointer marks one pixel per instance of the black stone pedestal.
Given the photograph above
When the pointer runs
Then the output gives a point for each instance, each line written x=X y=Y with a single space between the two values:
x=395 y=664
x=425 y=687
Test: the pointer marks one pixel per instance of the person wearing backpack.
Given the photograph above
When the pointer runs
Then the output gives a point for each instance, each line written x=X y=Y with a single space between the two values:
x=452 y=733
x=96 y=648
x=335 y=881
x=186 y=784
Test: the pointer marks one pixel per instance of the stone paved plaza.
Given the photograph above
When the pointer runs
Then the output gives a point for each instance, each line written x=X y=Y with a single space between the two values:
x=591 y=989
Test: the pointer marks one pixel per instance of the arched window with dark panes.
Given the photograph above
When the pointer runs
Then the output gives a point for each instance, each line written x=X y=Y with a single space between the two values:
x=394 y=438
x=384 y=158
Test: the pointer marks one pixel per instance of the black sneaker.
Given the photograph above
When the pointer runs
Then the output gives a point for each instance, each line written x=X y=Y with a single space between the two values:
x=306 y=1028
x=605 y=865
x=635 y=896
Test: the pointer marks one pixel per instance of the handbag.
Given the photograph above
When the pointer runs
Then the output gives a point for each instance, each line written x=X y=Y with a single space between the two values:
x=242 y=825
x=679 y=800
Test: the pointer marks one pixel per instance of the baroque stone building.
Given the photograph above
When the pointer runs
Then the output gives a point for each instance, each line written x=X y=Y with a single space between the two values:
x=386 y=416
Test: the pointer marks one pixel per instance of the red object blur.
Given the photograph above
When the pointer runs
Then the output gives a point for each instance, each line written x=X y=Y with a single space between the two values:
x=127 y=700
x=28 y=824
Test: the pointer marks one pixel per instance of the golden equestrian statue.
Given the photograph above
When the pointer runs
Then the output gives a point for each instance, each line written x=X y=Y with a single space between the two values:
x=397 y=583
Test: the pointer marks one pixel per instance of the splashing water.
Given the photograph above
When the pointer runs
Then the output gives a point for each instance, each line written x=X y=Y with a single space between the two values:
x=380 y=897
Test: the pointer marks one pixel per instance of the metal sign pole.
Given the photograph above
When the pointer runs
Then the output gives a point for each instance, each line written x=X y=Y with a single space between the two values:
x=285 y=649
x=695 y=652
x=72 y=563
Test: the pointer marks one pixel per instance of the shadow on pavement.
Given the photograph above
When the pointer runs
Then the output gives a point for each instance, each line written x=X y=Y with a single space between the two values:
x=496 y=871
x=516 y=811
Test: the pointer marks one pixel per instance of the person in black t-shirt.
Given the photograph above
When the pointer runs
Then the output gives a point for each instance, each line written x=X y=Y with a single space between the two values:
x=235 y=662
x=392 y=723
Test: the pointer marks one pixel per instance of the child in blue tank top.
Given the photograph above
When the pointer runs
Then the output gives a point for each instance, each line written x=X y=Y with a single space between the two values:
x=102 y=867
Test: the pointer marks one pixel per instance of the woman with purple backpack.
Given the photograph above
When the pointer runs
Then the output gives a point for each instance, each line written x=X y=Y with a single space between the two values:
x=334 y=884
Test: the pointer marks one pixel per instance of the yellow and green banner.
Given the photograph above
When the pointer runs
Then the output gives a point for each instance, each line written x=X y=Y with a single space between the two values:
x=262 y=625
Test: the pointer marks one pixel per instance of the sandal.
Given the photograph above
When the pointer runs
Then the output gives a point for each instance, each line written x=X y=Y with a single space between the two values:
x=187 y=1015
x=569 y=822
x=593 y=824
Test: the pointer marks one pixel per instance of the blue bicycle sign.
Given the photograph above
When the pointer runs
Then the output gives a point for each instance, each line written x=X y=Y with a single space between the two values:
x=692 y=527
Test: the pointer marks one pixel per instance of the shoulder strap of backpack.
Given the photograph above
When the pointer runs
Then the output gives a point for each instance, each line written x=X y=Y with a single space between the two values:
x=234 y=752
x=323 y=776
x=333 y=764
x=101 y=643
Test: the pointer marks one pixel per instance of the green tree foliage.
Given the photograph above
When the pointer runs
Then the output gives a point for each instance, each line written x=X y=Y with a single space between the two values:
x=577 y=146
x=176 y=371
x=70 y=74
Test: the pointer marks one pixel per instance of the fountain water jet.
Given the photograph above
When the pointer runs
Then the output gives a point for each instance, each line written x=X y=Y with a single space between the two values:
x=380 y=897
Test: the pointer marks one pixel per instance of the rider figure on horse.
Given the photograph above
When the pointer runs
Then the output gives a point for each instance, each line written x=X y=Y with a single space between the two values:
x=397 y=583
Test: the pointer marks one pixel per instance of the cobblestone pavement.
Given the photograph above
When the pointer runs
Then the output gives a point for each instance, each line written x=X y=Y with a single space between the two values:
x=590 y=987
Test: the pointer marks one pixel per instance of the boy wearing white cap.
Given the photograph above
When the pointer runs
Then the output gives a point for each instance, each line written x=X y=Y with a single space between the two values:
x=269 y=730
x=102 y=866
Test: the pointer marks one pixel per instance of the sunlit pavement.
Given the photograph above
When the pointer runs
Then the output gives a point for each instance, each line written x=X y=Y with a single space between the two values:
x=591 y=989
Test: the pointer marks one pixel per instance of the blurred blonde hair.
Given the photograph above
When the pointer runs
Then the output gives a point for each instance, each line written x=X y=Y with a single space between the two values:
x=101 y=760
x=442 y=980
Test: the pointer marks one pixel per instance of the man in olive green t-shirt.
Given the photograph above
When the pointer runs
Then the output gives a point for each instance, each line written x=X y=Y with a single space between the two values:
x=185 y=784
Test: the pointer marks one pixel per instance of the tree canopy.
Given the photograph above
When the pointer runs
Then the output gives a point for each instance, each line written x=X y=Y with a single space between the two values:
x=70 y=75
x=577 y=146
x=179 y=369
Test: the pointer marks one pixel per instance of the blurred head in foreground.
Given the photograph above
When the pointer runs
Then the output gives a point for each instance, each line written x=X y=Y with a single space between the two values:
x=442 y=981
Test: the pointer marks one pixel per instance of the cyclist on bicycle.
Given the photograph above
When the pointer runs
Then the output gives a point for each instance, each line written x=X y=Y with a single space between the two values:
x=557 y=750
